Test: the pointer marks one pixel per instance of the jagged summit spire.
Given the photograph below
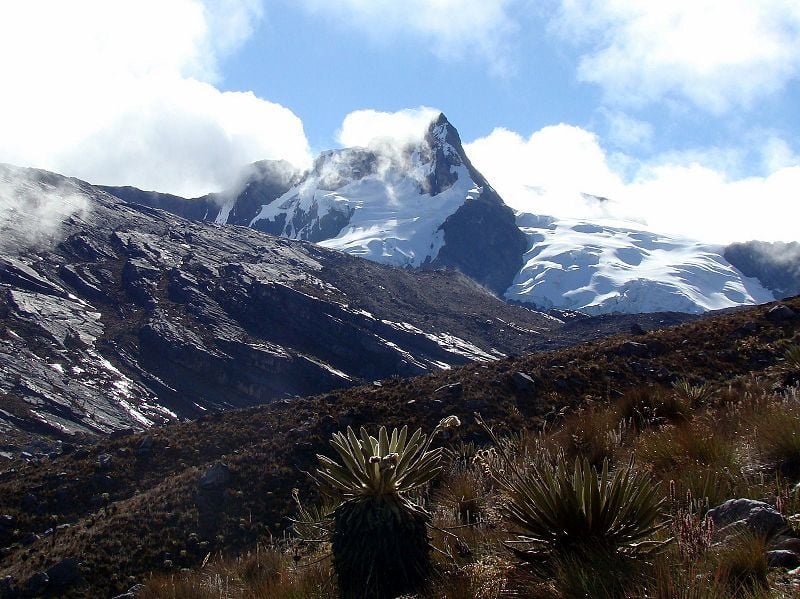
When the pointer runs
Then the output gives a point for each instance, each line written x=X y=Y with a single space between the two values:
x=444 y=140
x=441 y=120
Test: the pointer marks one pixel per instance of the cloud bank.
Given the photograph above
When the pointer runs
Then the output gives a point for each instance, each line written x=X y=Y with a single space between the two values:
x=122 y=93
x=32 y=210
x=717 y=55
x=686 y=194
x=367 y=128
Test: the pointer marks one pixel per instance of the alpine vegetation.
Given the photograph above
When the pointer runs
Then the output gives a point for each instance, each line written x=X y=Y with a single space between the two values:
x=380 y=538
x=577 y=512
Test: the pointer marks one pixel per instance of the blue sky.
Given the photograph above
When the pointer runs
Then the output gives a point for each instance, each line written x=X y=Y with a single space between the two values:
x=684 y=113
x=323 y=68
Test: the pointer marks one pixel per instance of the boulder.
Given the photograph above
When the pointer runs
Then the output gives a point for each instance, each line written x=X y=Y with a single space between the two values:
x=523 y=382
x=7 y=588
x=632 y=348
x=748 y=328
x=64 y=573
x=637 y=329
x=132 y=593
x=791 y=544
x=36 y=584
x=216 y=477
x=780 y=313
x=30 y=502
x=104 y=461
x=736 y=515
x=327 y=424
x=454 y=390
x=783 y=558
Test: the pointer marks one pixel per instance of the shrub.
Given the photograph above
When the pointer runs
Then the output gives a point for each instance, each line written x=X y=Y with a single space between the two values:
x=464 y=491
x=694 y=395
x=312 y=523
x=595 y=435
x=582 y=512
x=699 y=487
x=777 y=437
x=693 y=443
x=742 y=565
x=380 y=539
x=792 y=357
x=648 y=406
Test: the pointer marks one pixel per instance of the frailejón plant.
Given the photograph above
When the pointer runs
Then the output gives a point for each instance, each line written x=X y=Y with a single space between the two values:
x=380 y=538
x=582 y=511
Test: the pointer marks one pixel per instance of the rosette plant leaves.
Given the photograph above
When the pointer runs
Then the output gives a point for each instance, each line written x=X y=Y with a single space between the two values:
x=380 y=542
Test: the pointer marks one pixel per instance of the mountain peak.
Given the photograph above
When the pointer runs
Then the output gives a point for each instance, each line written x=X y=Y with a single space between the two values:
x=447 y=151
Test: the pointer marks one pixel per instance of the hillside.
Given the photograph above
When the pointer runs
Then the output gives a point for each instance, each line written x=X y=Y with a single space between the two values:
x=118 y=316
x=128 y=506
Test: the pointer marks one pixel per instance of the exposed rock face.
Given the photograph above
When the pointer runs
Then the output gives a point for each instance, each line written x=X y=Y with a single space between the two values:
x=260 y=183
x=215 y=477
x=775 y=265
x=131 y=316
x=483 y=241
x=780 y=313
x=203 y=208
x=127 y=316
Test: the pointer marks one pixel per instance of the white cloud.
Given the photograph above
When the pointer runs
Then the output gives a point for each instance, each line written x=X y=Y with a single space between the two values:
x=688 y=194
x=626 y=131
x=562 y=157
x=452 y=29
x=32 y=211
x=717 y=54
x=776 y=154
x=370 y=127
x=122 y=93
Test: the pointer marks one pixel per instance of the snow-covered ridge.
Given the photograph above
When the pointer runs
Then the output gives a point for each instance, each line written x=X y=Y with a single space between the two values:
x=423 y=204
x=601 y=267
x=376 y=203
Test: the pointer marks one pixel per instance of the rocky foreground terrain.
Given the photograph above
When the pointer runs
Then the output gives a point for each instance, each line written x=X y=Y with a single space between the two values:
x=100 y=517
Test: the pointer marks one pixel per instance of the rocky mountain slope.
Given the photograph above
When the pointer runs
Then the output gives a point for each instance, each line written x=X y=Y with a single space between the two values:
x=122 y=316
x=775 y=265
x=102 y=516
x=425 y=205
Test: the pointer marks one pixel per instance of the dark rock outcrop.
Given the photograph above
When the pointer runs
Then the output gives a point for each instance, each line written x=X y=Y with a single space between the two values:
x=483 y=241
x=216 y=477
x=746 y=515
x=783 y=558
x=780 y=313
x=776 y=265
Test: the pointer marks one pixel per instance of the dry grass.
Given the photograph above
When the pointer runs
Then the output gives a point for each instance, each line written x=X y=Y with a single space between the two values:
x=777 y=435
x=266 y=573
x=697 y=443
x=595 y=434
x=649 y=406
